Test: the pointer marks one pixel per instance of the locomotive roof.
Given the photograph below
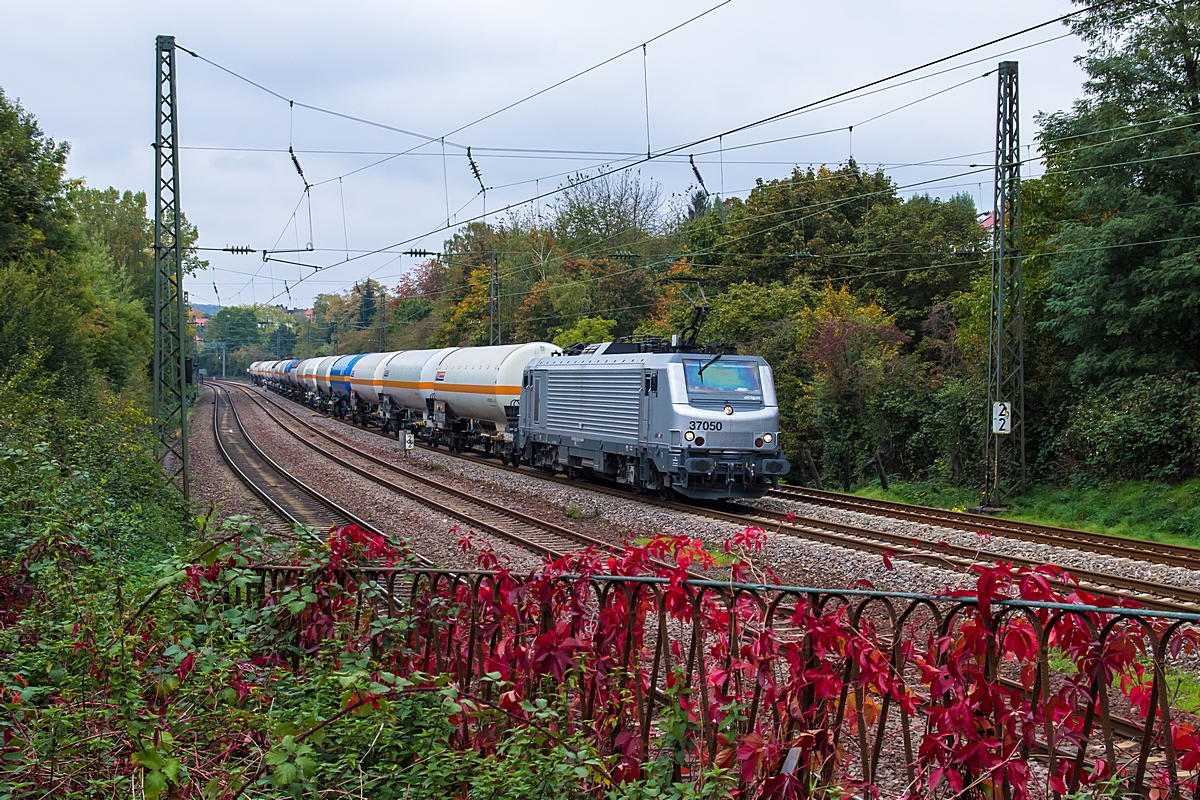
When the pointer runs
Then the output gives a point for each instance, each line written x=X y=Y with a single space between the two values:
x=599 y=356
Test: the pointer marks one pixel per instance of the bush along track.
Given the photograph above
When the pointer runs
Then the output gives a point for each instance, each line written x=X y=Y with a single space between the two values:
x=351 y=669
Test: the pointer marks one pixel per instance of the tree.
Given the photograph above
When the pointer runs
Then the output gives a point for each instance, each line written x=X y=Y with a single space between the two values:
x=35 y=220
x=791 y=227
x=1125 y=292
x=853 y=348
x=588 y=329
x=236 y=326
x=916 y=254
x=366 y=306
x=61 y=294
x=600 y=215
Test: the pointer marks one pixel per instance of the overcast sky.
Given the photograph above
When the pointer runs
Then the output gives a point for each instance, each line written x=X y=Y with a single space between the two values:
x=86 y=70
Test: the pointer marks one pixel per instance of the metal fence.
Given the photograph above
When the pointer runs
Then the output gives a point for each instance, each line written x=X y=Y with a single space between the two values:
x=799 y=690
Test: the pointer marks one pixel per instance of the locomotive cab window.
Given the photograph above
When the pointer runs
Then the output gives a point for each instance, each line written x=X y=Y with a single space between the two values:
x=723 y=376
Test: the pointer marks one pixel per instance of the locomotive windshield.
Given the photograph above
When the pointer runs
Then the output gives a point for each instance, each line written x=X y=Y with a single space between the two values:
x=724 y=376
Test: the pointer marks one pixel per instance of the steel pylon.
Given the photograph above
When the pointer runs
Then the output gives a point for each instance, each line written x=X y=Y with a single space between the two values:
x=494 y=300
x=170 y=321
x=1005 y=447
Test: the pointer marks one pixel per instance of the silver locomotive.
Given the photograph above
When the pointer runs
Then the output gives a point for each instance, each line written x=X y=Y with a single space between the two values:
x=653 y=417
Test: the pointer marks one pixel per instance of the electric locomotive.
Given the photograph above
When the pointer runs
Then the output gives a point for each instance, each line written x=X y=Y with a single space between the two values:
x=654 y=416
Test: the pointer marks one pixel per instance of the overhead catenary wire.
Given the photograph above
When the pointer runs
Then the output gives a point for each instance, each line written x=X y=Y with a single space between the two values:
x=794 y=110
x=720 y=137
x=592 y=68
x=661 y=155
x=538 y=196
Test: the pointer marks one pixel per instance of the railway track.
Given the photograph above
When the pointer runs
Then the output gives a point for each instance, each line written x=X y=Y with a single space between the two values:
x=531 y=533
x=1138 y=550
x=842 y=535
x=293 y=501
x=1149 y=594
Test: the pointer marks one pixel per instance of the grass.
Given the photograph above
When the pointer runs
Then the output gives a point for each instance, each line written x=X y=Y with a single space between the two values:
x=1135 y=509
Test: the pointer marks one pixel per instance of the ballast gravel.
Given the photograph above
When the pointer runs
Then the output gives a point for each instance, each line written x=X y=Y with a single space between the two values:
x=792 y=560
x=1062 y=556
x=428 y=533
x=213 y=484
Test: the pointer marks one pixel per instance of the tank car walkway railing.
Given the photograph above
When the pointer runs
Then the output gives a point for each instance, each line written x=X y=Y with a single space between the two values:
x=858 y=691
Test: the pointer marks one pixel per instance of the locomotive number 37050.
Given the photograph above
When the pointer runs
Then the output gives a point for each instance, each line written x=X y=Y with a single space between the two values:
x=705 y=425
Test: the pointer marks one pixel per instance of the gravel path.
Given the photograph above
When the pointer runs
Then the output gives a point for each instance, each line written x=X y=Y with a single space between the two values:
x=1063 y=556
x=792 y=560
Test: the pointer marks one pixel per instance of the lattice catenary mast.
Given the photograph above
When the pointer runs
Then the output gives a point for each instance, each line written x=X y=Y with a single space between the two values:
x=494 y=299
x=1005 y=448
x=170 y=379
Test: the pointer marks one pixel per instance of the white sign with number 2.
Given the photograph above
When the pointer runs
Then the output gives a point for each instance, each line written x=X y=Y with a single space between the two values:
x=1002 y=417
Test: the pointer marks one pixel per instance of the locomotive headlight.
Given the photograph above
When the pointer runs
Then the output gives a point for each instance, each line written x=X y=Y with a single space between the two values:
x=689 y=435
x=768 y=438
x=728 y=409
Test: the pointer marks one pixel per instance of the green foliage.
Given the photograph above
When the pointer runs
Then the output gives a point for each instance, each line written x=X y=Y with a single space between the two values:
x=853 y=349
x=34 y=217
x=1142 y=428
x=792 y=227
x=66 y=258
x=79 y=466
x=1137 y=509
x=236 y=326
x=1126 y=285
x=588 y=329
x=918 y=254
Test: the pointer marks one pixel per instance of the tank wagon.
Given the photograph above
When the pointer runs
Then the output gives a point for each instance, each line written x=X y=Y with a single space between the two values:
x=646 y=414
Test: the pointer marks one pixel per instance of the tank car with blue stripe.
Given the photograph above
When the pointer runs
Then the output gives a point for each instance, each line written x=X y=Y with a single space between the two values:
x=700 y=424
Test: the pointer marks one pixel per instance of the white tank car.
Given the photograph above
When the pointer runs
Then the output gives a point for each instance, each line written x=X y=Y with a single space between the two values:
x=305 y=372
x=322 y=380
x=364 y=380
x=478 y=382
x=407 y=378
x=312 y=380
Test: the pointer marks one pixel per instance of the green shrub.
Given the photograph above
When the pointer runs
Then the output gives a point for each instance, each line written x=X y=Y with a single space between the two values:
x=1145 y=428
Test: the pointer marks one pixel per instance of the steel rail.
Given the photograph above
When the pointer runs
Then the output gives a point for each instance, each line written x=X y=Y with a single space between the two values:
x=907 y=548
x=337 y=513
x=470 y=517
x=1106 y=544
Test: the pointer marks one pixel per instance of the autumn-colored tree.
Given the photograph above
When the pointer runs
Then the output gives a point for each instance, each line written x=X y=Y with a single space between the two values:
x=853 y=348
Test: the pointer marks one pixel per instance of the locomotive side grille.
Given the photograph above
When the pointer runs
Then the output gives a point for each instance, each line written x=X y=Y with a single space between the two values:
x=596 y=401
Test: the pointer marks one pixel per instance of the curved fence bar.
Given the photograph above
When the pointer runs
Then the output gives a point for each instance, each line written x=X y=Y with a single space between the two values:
x=797 y=689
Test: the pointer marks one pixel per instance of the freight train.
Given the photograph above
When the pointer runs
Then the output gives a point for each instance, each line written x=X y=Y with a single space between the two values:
x=644 y=412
